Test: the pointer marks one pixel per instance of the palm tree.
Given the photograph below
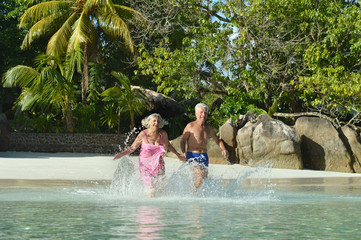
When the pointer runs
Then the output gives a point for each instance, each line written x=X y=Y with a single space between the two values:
x=72 y=26
x=49 y=86
x=123 y=99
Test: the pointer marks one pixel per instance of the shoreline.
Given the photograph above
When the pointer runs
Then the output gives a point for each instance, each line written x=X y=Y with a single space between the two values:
x=26 y=169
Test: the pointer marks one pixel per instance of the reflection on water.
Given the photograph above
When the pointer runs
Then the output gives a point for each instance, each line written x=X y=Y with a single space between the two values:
x=197 y=222
x=149 y=219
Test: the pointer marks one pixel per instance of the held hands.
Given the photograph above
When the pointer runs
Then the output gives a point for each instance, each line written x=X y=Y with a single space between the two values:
x=182 y=157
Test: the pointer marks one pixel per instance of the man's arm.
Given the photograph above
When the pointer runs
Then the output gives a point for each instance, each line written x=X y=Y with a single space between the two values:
x=219 y=142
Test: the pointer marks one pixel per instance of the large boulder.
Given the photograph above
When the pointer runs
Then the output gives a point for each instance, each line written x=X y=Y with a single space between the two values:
x=213 y=150
x=160 y=103
x=269 y=141
x=228 y=133
x=353 y=144
x=322 y=148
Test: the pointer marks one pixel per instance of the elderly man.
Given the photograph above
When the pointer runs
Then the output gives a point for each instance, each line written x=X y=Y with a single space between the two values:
x=195 y=136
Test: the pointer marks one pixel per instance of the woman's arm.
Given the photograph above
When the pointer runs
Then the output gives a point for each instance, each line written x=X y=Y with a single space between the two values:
x=137 y=142
x=169 y=146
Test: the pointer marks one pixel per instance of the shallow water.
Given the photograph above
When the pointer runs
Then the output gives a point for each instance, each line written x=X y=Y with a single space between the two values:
x=219 y=210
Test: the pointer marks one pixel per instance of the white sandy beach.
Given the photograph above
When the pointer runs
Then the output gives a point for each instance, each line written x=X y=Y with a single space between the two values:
x=81 y=166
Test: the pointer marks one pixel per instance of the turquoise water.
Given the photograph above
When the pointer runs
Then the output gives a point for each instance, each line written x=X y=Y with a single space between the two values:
x=95 y=214
x=220 y=210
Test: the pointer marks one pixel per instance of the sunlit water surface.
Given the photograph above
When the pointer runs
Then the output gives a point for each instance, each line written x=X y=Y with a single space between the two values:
x=219 y=210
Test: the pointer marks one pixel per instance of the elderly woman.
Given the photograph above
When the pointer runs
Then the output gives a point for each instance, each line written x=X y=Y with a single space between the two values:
x=152 y=141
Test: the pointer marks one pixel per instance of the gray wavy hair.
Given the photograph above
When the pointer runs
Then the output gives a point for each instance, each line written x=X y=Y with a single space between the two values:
x=162 y=122
x=199 y=105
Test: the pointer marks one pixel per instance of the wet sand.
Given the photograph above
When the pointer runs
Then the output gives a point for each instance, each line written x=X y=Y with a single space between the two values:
x=34 y=169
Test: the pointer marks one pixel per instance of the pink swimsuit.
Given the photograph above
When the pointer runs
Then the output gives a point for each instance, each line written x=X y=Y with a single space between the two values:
x=151 y=163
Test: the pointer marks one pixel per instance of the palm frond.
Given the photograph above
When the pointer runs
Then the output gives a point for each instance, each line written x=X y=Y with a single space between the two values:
x=139 y=94
x=73 y=60
x=108 y=117
x=82 y=30
x=43 y=60
x=92 y=5
x=22 y=76
x=127 y=13
x=110 y=94
x=38 y=30
x=58 y=43
x=52 y=89
x=41 y=10
x=139 y=106
x=27 y=100
x=114 y=26
x=50 y=76
x=124 y=80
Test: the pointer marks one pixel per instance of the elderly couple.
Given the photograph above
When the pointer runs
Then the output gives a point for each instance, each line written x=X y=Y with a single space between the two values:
x=153 y=140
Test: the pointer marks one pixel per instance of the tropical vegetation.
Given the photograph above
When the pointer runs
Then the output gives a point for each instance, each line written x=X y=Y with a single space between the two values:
x=281 y=57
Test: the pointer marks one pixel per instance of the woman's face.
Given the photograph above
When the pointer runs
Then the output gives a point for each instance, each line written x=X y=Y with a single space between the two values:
x=154 y=122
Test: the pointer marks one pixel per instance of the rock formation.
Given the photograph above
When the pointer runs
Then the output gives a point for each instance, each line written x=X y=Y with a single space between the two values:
x=269 y=141
x=322 y=148
x=354 y=147
x=160 y=103
x=228 y=133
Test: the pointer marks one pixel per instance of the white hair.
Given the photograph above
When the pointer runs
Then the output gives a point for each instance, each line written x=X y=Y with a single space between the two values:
x=162 y=122
x=199 y=105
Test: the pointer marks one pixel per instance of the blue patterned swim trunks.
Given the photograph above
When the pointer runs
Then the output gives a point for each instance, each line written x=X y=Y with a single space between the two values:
x=200 y=158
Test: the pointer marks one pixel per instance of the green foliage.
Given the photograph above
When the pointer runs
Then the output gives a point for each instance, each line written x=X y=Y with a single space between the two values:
x=10 y=52
x=38 y=123
x=333 y=60
x=96 y=77
x=45 y=123
x=48 y=87
x=74 y=28
x=284 y=55
x=236 y=56
x=87 y=118
x=192 y=69
x=176 y=126
x=109 y=116
x=123 y=99
x=70 y=24
x=232 y=107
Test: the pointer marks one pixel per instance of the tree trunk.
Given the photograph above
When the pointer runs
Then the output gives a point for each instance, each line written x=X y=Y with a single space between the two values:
x=85 y=77
x=132 y=123
x=68 y=117
x=119 y=122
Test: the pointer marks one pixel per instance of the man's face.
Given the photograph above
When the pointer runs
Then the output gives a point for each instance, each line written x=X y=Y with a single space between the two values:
x=201 y=113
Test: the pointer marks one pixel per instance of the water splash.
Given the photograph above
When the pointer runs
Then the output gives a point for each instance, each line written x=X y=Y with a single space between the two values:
x=179 y=184
x=129 y=137
x=125 y=182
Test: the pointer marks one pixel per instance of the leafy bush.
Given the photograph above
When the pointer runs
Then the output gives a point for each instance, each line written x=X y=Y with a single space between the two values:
x=38 y=123
x=87 y=118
